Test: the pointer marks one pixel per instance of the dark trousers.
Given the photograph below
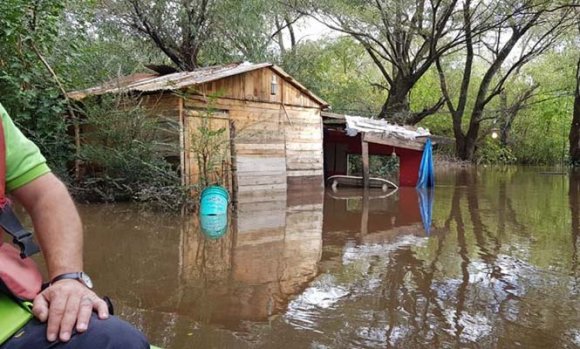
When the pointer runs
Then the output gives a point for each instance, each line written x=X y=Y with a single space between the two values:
x=112 y=333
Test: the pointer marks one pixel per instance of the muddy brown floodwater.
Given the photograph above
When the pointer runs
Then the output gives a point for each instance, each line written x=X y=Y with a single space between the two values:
x=489 y=261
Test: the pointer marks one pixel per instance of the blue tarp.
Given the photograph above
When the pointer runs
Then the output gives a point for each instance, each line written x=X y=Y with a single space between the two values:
x=427 y=170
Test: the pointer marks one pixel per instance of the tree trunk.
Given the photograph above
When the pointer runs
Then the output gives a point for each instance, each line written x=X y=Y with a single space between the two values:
x=574 y=136
x=465 y=149
x=397 y=108
x=465 y=146
x=505 y=119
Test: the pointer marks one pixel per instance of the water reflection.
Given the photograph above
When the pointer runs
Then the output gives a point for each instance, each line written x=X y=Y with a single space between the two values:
x=464 y=287
x=574 y=199
x=489 y=259
x=426 y=196
x=214 y=226
x=195 y=270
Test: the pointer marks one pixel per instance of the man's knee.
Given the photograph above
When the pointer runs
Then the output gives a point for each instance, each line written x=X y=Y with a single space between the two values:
x=112 y=333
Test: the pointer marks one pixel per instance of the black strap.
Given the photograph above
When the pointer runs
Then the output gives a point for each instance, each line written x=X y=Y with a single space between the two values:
x=20 y=236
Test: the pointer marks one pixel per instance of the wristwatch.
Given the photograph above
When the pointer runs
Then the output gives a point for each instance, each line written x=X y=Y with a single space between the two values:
x=83 y=278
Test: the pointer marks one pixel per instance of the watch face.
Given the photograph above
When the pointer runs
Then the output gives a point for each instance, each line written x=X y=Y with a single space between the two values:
x=86 y=280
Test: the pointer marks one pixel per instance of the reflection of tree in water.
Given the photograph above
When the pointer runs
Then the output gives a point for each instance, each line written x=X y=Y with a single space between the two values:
x=494 y=298
x=574 y=198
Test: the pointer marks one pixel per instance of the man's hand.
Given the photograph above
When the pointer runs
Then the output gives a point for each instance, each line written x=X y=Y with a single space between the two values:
x=64 y=304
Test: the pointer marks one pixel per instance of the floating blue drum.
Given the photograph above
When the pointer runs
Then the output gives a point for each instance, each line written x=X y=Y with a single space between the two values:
x=214 y=201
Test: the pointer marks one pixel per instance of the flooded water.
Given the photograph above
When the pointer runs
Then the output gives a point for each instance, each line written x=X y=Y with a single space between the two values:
x=490 y=260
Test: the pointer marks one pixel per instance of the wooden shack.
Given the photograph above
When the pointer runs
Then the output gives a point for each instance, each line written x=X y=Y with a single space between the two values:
x=272 y=124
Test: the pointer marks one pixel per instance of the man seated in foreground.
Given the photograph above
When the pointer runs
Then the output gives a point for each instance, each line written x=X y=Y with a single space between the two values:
x=68 y=314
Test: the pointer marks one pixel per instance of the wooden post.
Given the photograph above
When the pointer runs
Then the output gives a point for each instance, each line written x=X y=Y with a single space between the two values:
x=365 y=161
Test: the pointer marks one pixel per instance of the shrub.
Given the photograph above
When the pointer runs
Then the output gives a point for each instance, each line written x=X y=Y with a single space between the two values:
x=121 y=155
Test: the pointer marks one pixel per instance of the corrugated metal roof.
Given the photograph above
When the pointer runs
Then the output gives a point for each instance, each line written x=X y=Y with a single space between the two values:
x=180 y=80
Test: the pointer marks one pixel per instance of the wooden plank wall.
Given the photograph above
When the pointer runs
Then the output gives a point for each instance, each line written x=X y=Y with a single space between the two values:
x=259 y=144
x=255 y=86
x=304 y=149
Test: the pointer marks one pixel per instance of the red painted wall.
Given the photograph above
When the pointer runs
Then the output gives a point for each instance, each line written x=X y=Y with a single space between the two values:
x=409 y=160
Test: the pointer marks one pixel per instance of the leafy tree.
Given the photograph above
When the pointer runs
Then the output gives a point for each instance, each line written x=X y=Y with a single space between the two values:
x=194 y=33
x=403 y=39
x=179 y=29
x=91 y=49
x=517 y=21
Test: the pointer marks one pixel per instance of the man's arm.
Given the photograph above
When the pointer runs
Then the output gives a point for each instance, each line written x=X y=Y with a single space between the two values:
x=58 y=229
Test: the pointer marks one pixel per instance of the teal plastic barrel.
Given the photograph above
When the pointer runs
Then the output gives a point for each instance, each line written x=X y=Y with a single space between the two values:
x=214 y=201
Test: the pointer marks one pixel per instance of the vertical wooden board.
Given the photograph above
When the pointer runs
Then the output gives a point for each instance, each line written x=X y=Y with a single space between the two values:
x=248 y=86
x=237 y=86
x=266 y=76
x=293 y=96
x=258 y=84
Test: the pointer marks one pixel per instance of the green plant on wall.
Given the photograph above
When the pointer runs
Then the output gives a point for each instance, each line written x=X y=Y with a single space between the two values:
x=210 y=146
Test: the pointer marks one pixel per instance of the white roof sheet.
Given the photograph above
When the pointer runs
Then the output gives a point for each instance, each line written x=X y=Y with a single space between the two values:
x=355 y=124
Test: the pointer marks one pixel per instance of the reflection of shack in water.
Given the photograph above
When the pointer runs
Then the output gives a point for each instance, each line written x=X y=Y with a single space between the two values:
x=378 y=218
x=269 y=254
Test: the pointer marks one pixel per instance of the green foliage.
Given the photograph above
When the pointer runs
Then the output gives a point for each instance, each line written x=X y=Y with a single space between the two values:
x=339 y=71
x=243 y=31
x=492 y=152
x=27 y=89
x=124 y=158
x=379 y=166
x=540 y=136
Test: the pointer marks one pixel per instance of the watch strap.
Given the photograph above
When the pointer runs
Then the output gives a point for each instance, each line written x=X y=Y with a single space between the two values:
x=71 y=276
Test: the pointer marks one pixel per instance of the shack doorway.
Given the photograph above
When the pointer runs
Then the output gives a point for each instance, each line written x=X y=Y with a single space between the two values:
x=380 y=166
